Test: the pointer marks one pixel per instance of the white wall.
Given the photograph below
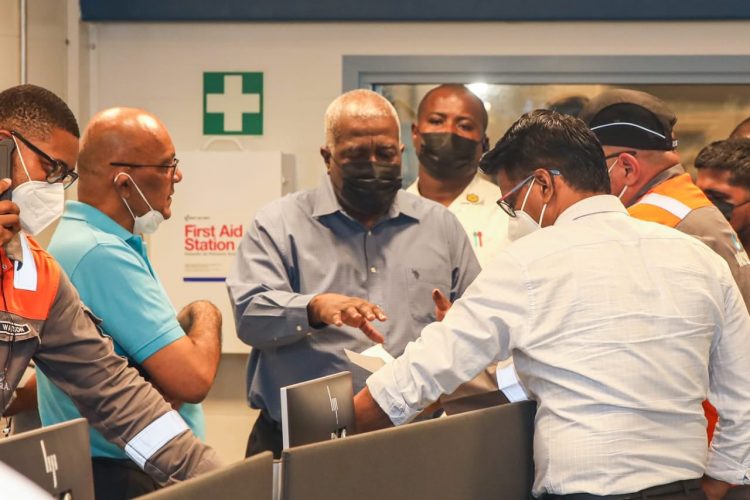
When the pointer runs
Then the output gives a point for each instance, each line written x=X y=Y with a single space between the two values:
x=47 y=49
x=159 y=66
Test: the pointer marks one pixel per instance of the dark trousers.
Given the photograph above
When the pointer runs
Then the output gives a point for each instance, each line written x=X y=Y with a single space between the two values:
x=265 y=436
x=738 y=493
x=679 y=490
x=119 y=479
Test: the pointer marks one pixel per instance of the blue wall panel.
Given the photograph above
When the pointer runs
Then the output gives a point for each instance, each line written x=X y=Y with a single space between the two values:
x=411 y=10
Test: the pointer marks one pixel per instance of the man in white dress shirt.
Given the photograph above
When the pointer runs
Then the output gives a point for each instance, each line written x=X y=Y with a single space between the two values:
x=619 y=329
x=449 y=138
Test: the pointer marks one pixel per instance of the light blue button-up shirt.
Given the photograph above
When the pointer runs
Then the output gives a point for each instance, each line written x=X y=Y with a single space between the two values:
x=305 y=244
x=111 y=270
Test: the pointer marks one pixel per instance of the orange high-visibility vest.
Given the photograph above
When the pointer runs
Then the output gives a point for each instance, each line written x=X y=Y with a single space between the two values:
x=668 y=204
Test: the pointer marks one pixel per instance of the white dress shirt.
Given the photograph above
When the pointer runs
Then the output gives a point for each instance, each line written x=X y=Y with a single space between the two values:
x=477 y=211
x=619 y=330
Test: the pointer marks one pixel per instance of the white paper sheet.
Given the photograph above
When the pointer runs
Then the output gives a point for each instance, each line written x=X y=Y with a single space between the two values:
x=371 y=359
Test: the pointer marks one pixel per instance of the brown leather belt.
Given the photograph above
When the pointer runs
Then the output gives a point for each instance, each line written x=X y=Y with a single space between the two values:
x=655 y=491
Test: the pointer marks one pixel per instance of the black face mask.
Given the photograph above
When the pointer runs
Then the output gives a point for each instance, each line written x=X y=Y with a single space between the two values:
x=723 y=205
x=448 y=156
x=369 y=188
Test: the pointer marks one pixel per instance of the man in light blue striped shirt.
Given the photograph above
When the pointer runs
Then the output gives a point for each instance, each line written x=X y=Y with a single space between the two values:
x=316 y=265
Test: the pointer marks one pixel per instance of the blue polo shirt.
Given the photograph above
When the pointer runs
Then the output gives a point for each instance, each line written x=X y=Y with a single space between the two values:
x=110 y=268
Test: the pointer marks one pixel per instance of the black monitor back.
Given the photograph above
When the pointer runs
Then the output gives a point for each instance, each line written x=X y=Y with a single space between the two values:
x=483 y=454
x=250 y=479
x=57 y=458
x=317 y=410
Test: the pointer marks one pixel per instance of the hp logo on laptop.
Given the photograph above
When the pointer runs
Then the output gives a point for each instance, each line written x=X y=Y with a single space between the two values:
x=50 y=464
x=335 y=409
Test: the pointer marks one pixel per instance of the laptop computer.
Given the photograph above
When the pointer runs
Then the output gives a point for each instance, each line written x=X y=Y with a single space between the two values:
x=249 y=478
x=479 y=454
x=57 y=458
x=317 y=410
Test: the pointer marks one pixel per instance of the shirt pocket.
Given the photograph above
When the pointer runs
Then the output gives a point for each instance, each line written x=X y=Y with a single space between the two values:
x=419 y=284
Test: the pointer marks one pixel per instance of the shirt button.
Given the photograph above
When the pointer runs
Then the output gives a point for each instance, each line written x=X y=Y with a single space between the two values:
x=299 y=328
x=373 y=270
x=369 y=233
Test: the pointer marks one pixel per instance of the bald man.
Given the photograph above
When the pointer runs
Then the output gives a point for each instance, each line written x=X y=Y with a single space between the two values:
x=127 y=175
x=449 y=137
x=343 y=266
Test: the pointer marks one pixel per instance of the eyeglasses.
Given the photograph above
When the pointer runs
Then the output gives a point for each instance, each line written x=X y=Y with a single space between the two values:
x=508 y=205
x=59 y=170
x=173 y=164
x=615 y=155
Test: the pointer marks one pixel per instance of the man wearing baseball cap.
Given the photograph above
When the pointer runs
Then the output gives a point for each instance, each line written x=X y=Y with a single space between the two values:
x=636 y=133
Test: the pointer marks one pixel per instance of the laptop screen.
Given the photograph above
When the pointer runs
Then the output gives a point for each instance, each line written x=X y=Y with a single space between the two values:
x=317 y=410
x=57 y=458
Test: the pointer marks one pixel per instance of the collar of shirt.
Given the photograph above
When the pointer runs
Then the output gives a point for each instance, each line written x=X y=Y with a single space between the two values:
x=77 y=210
x=662 y=176
x=325 y=203
x=592 y=205
x=476 y=189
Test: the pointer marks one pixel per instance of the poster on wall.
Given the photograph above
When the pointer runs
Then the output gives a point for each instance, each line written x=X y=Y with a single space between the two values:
x=211 y=210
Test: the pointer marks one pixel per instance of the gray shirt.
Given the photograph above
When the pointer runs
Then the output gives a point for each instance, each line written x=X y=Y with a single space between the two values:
x=305 y=244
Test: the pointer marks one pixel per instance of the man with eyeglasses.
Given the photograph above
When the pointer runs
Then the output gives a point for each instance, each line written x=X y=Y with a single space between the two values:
x=128 y=173
x=618 y=328
x=43 y=318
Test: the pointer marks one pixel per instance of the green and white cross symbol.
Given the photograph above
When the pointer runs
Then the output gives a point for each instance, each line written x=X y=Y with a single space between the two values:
x=232 y=103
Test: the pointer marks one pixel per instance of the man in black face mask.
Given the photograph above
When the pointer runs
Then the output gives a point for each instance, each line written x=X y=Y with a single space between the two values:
x=318 y=268
x=449 y=138
x=724 y=175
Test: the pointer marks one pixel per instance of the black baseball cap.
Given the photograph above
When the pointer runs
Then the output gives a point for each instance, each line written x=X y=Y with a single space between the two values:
x=631 y=119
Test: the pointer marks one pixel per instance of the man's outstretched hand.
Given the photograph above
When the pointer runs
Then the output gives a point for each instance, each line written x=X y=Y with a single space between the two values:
x=340 y=310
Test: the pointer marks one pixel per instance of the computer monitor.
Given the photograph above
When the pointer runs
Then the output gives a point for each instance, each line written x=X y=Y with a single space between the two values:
x=249 y=479
x=317 y=410
x=480 y=454
x=57 y=458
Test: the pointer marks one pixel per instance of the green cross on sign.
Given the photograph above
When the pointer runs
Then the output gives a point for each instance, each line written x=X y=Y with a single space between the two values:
x=232 y=103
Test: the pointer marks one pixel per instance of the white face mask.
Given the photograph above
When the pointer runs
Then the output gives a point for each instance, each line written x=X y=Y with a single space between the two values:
x=522 y=224
x=148 y=222
x=625 y=188
x=40 y=202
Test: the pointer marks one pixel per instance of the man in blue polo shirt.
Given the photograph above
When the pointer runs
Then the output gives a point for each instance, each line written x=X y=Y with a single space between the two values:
x=127 y=172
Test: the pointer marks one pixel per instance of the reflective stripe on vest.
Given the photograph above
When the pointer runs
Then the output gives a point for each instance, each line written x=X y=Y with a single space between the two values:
x=152 y=438
x=671 y=205
x=670 y=201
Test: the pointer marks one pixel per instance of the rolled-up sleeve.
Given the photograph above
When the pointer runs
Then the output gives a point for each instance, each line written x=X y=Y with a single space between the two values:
x=729 y=456
x=476 y=332
x=267 y=310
